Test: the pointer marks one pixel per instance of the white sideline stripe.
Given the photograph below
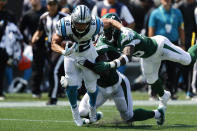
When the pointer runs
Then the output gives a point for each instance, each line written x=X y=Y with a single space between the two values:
x=108 y=103
x=35 y=120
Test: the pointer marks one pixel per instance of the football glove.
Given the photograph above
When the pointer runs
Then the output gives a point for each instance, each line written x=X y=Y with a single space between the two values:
x=64 y=81
x=69 y=50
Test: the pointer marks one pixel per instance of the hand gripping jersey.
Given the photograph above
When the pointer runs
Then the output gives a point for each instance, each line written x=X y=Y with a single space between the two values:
x=64 y=29
x=143 y=46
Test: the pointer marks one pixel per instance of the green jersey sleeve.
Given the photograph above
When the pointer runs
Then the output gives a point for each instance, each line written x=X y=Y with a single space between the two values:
x=143 y=46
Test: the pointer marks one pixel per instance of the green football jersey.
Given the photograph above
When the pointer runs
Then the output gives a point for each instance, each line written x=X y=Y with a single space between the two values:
x=143 y=46
x=108 y=78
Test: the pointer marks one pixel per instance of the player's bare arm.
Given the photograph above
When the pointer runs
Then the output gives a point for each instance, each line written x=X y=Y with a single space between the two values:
x=110 y=22
x=55 y=44
x=127 y=55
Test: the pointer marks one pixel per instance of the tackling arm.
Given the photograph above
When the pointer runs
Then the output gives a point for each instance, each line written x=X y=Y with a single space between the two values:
x=110 y=22
x=124 y=58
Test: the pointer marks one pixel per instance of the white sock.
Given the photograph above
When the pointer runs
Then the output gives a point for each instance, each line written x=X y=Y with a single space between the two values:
x=157 y=114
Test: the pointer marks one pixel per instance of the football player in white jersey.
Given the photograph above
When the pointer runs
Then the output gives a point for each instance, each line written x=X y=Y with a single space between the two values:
x=81 y=28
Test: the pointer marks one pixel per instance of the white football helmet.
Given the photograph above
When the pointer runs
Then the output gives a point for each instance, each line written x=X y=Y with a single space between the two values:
x=81 y=18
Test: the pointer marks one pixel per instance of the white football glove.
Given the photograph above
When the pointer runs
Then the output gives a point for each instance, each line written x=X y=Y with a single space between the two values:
x=127 y=33
x=64 y=81
x=68 y=50
x=80 y=61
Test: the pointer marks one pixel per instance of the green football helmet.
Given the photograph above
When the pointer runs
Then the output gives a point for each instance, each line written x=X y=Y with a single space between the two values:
x=112 y=33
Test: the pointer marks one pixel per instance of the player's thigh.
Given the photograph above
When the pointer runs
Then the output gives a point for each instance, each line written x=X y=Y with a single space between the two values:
x=90 y=79
x=174 y=53
x=72 y=73
x=123 y=100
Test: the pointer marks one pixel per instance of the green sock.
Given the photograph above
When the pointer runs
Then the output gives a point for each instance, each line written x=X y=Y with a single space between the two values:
x=157 y=87
x=142 y=114
x=193 y=53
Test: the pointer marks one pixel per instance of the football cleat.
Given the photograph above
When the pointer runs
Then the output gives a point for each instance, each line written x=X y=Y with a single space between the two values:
x=86 y=121
x=164 y=99
x=76 y=117
x=92 y=114
x=99 y=116
x=161 y=119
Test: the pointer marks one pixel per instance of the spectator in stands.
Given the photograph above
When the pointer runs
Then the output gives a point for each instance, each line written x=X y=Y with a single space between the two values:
x=139 y=9
x=28 y=26
x=6 y=14
x=113 y=6
x=168 y=21
x=194 y=77
x=10 y=49
x=47 y=25
x=187 y=9
x=65 y=7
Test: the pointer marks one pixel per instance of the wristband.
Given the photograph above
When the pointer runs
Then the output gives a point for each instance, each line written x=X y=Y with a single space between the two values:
x=112 y=64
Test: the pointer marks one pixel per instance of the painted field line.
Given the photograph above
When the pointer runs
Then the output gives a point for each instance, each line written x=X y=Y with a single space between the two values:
x=27 y=120
x=108 y=103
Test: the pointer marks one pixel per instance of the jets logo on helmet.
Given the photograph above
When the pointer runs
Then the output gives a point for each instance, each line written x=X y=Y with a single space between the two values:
x=81 y=18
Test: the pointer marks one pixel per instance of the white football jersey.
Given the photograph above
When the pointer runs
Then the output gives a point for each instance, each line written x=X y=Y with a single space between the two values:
x=65 y=30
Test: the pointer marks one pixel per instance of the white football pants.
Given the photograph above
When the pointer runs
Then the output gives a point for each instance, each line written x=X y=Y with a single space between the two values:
x=119 y=92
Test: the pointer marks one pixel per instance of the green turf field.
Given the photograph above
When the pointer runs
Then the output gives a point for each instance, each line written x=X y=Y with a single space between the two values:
x=59 y=118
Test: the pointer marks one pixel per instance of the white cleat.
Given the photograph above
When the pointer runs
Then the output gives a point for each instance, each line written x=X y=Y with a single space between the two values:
x=76 y=117
x=99 y=116
x=92 y=114
x=161 y=119
x=164 y=99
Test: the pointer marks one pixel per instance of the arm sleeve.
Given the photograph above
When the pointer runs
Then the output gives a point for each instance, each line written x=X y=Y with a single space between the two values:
x=98 y=68
x=99 y=26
